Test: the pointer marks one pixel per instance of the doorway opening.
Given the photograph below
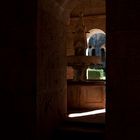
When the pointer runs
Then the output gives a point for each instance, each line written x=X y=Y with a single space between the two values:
x=88 y=93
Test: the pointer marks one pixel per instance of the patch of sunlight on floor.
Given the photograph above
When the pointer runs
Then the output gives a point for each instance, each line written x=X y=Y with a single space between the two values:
x=94 y=112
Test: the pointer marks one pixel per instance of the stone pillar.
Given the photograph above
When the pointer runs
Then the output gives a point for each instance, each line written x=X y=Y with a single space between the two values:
x=51 y=65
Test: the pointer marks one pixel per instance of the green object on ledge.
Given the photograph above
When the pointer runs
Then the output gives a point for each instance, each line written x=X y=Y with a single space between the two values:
x=95 y=74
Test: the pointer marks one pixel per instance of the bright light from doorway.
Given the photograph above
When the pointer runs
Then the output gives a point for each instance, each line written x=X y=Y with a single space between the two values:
x=99 y=111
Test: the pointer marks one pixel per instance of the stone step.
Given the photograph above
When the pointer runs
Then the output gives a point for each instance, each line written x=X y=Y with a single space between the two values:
x=74 y=133
x=71 y=129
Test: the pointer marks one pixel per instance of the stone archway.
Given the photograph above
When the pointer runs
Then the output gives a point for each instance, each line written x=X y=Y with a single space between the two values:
x=92 y=32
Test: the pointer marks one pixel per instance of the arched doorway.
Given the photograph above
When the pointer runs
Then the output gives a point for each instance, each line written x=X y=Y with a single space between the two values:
x=96 y=42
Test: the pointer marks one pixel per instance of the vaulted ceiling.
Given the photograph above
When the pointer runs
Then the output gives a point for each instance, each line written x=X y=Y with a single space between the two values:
x=89 y=8
x=74 y=7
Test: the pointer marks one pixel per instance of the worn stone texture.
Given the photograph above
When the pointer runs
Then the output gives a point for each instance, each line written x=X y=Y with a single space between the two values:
x=51 y=81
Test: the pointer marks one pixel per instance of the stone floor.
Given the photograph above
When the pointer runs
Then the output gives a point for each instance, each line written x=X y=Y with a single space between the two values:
x=82 y=128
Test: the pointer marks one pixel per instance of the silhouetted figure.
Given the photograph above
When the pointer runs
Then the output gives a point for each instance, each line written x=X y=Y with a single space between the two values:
x=93 y=52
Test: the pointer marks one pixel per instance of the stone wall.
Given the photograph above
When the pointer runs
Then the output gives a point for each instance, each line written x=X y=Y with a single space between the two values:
x=18 y=69
x=123 y=77
x=51 y=74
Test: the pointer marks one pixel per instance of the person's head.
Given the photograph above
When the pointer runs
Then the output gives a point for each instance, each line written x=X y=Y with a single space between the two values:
x=90 y=46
